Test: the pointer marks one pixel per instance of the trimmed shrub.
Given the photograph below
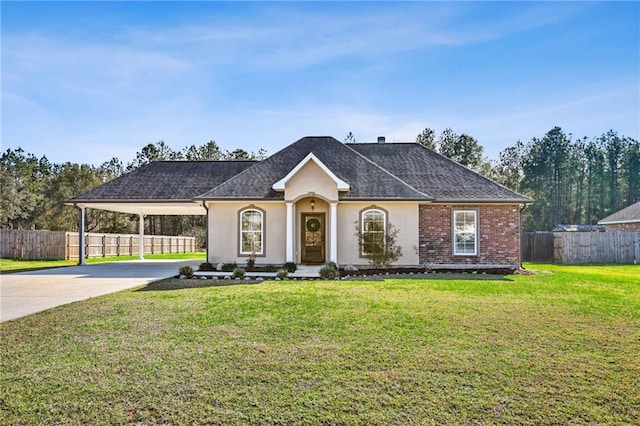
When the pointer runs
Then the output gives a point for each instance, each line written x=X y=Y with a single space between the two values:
x=229 y=267
x=290 y=266
x=269 y=268
x=251 y=262
x=238 y=273
x=206 y=266
x=329 y=271
x=282 y=274
x=187 y=271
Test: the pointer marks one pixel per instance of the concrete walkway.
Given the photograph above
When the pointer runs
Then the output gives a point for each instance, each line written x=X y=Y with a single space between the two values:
x=26 y=293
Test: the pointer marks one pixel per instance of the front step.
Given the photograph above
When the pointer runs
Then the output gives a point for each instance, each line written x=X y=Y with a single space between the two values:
x=306 y=271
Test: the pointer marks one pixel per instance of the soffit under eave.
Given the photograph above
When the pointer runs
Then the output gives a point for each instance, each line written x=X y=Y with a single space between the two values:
x=146 y=208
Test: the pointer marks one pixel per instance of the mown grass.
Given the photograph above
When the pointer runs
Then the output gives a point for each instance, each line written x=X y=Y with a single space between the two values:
x=8 y=266
x=558 y=347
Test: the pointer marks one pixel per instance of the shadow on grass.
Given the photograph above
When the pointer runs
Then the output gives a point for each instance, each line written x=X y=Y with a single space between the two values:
x=432 y=276
x=178 y=284
x=35 y=268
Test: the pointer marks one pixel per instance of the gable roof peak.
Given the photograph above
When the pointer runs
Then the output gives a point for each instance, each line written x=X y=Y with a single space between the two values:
x=281 y=184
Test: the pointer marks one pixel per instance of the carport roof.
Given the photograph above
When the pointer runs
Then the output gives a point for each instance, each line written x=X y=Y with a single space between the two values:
x=162 y=187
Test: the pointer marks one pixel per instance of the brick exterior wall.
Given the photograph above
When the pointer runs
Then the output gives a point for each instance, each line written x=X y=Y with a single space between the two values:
x=623 y=227
x=498 y=235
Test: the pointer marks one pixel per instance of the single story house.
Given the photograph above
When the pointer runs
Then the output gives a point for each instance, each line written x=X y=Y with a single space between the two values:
x=304 y=204
x=625 y=220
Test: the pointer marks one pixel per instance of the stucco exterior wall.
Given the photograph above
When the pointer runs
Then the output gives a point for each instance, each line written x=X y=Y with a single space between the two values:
x=498 y=235
x=224 y=232
x=623 y=227
x=404 y=216
x=311 y=178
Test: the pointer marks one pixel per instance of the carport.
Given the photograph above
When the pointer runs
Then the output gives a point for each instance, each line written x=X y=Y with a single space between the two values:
x=141 y=209
x=158 y=188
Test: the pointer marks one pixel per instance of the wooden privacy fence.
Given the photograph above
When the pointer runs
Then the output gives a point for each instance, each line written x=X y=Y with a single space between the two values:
x=28 y=244
x=596 y=247
x=537 y=247
x=571 y=248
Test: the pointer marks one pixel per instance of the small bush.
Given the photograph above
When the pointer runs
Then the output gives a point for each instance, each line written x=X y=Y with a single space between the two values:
x=282 y=274
x=206 y=266
x=238 y=273
x=187 y=271
x=251 y=262
x=229 y=267
x=291 y=267
x=380 y=254
x=329 y=271
x=269 y=268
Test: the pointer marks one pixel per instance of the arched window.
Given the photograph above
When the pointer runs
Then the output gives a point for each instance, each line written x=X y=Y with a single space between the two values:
x=374 y=225
x=251 y=232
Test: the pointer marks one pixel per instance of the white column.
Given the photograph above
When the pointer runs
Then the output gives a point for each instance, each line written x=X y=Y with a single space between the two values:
x=333 y=233
x=289 y=233
x=208 y=239
x=81 y=240
x=141 y=236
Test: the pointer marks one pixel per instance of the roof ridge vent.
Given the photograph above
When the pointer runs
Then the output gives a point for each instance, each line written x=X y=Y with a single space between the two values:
x=381 y=139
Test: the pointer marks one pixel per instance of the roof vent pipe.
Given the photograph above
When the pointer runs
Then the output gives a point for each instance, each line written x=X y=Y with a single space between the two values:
x=381 y=139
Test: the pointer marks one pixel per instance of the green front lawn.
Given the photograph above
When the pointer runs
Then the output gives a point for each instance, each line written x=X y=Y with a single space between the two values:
x=558 y=347
x=20 y=265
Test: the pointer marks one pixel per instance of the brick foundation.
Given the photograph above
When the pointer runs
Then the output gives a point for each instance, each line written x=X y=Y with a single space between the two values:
x=498 y=235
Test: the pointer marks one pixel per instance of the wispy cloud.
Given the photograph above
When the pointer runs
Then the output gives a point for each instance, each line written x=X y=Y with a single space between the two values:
x=263 y=75
x=285 y=38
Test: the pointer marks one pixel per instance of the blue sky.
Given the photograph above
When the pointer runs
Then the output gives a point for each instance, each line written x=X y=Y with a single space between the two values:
x=87 y=81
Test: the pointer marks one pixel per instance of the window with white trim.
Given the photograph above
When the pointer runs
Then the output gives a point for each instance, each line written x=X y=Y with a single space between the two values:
x=251 y=232
x=374 y=224
x=465 y=238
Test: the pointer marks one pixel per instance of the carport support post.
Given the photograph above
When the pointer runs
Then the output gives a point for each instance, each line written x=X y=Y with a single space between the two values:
x=141 y=236
x=81 y=240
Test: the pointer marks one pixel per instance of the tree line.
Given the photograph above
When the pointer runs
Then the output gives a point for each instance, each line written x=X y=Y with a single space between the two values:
x=573 y=181
x=34 y=190
x=576 y=181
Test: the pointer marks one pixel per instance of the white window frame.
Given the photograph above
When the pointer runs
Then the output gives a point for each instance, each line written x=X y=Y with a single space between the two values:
x=363 y=213
x=455 y=232
x=242 y=231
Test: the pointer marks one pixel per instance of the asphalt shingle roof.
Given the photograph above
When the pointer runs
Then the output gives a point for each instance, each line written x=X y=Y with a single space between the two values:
x=367 y=180
x=434 y=174
x=166 y=180
x=377 y=171
x=628 y=214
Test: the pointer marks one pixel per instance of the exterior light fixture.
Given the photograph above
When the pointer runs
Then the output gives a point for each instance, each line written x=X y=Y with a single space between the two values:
x=313 y=203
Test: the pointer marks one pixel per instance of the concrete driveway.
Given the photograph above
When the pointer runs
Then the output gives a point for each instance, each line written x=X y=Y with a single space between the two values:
x=26 y=293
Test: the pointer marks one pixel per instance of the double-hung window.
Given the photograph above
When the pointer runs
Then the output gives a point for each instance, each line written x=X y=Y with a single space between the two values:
x=465 y=232
x=252 y=232
x=374 y=224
